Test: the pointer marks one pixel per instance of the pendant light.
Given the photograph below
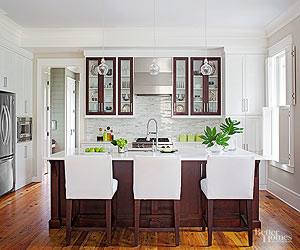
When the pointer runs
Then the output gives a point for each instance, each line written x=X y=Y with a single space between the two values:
x=154 y=67
x=206 y=69
x=102 y=67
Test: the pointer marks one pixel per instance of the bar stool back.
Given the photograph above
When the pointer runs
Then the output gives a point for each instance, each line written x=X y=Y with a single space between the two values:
x=157 y=178
x=229 y=177
x=89 y=178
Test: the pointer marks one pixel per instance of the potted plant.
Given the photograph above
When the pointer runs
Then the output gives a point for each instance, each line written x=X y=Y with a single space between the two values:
x=230 y=127
x=121 y=143
x=214 y=140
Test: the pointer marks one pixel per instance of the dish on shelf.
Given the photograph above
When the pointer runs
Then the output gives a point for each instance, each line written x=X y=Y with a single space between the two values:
x=180 y=97
x=180 y=108
x=212 y=95
x=93 y=70
x=125 y=108
x=125 y=97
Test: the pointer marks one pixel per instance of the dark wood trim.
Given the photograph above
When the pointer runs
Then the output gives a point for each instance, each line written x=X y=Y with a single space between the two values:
x=186 y=112
x=205 y=87
x=120 y=83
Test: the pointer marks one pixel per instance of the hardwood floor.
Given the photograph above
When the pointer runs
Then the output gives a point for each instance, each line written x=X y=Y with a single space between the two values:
x=24 y=219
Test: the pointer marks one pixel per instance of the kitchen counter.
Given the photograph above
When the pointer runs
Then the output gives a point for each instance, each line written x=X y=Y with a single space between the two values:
x=192 y=152
x=153 y=213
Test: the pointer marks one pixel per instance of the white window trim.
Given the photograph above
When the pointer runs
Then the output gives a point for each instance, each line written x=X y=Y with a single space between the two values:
x=283 y=45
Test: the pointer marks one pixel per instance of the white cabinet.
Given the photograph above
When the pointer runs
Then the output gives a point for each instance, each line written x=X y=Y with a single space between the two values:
x=245 y=81
x=24 y=90
x=23 y=164
x=28 y=72
x=233 y=84
x=7 y=73
x=254 y=87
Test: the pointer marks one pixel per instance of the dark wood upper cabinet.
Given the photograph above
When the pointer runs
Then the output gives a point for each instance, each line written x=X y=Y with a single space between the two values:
x=125 y=85
x=205 y=90
x=100 y=90
x=180 y=86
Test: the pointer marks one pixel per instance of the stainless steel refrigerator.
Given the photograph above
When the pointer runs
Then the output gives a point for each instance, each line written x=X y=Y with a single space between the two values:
x=7 y=142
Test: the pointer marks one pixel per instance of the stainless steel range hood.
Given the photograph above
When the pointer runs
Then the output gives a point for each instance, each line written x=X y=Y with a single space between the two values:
x=146 y=84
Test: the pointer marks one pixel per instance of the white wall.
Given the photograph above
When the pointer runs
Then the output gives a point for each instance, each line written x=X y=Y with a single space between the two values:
x=281 y=183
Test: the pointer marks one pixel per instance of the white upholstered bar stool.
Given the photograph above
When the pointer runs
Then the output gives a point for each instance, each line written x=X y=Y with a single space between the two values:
x=157 y=178
x=229 y=177
x=89 y=178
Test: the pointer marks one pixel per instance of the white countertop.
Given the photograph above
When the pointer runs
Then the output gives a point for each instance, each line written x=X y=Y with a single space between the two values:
x=186 y=152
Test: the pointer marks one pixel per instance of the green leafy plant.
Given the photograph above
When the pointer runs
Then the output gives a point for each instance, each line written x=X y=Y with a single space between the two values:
x=121 y=142
x=212 y=137
x=230 y=127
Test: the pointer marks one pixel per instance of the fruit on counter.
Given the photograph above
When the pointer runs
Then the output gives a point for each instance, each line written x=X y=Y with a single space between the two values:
x=95 y=150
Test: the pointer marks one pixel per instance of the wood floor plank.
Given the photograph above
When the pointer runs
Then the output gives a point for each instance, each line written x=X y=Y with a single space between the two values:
x=24 y=217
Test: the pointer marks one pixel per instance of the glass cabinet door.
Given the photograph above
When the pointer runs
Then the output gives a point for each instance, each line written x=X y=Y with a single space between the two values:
x=213 y=88
x=93 y=87
x=101 y=90
x=125 y=83
x=197 y=85
x=180 y=86
x=109 y=88
x=206 y=90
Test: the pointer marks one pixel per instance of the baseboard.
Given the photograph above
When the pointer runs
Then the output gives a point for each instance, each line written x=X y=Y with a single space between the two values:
x=22 y=183
x=262 y=186
x=286 y=195
x=36 y=179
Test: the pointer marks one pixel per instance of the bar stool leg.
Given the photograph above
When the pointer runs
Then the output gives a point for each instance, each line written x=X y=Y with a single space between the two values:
x=108 y=220
x=177 y=221
x=68 y=221
x=210 y=209
x=137 y=208
x=249 y=220
x=201 y=211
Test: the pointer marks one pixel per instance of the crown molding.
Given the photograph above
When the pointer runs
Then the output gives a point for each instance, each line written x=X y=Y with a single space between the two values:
x=10 y=30
x=133 y=37
x=283 y=19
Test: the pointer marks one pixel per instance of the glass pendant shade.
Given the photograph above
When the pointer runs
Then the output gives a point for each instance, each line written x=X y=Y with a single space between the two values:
x=154 y=68
x=102 y=68
x=206 y=69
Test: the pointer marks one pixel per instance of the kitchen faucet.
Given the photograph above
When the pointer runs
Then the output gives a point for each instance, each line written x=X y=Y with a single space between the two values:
x=152 y=132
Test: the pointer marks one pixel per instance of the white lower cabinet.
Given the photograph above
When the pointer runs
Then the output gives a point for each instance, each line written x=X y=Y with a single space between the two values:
x=23 y=164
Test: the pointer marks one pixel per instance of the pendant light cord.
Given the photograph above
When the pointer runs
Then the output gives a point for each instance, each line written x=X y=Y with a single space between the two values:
x=102 y=25
x=154 y=28
x=205 y=26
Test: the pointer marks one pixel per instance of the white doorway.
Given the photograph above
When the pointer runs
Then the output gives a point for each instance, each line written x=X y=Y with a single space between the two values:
x=44 y=124
x=70 y=115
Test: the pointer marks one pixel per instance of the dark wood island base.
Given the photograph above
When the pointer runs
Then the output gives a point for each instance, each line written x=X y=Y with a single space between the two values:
x=153 y=213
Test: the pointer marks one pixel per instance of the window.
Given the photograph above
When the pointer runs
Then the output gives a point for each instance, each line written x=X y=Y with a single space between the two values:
x=277 y=83
x=278 y=115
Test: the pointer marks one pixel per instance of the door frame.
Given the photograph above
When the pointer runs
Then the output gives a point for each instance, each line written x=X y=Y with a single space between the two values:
x=67 y=111
x=40 y=123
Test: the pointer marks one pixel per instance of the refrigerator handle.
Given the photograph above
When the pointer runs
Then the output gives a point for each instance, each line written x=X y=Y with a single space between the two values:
x=7 y=124
x=2 y=123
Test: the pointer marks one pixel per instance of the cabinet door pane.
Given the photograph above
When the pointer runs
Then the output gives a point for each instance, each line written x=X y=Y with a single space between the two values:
x=180 y=86
x=93 y=87
x=125 y=86
x=213 y=88
x=197 y=87
x=109 y=88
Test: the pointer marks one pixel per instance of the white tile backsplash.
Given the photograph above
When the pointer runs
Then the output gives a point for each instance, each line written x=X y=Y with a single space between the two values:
x=146 y=107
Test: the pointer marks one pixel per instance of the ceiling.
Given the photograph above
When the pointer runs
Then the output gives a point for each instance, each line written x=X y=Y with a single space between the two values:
x=254 y=14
